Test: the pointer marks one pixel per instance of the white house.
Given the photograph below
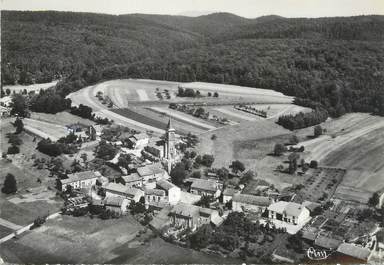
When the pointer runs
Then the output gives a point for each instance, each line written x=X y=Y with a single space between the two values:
x=172 y=192
x=288 y=212
x=79 y=180
x=119 y=190
x=250 y=203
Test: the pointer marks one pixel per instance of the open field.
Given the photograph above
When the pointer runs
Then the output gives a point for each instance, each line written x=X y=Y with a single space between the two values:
x=61 y=118
x=84 y=240
x=34 y=87
x=45 y=129
x=251 y=143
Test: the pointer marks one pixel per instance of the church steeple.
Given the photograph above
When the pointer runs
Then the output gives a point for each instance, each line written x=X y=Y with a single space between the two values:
x=169 y=125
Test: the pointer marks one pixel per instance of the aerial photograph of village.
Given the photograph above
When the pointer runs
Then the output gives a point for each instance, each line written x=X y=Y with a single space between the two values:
x=192 y=132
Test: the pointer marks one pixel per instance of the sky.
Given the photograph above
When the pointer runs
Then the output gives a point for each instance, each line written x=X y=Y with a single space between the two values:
x=245 y=8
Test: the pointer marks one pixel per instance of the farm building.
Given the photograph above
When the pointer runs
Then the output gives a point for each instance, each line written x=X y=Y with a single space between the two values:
x=288 y=212
x=116 y=204
x=152 y=173
x=172 y=192
x=79 y=180
x=205 y=187
x=133 y=180
x=357 y=253
x=250 y=203
x=154 y=195
x=119 y=190
x=191 y=216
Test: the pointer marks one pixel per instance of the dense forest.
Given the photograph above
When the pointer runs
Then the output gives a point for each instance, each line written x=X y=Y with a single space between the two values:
x=336 y=63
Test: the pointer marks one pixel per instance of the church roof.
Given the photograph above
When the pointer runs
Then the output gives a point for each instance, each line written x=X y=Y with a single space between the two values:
x=169 y=125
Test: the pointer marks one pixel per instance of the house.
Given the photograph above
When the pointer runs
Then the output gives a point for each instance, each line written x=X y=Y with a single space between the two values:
x=79 y=180
x=228 y=194
x=133 y=180
x=172 y=192
x=154 y=195
x=288 y=212
x=250 y=203
x=116 y=204
x=357 y=253
x=205 y=187
x=152 y=173
x=5 y=112
x=191 y=216
x=155 y=148
x=119 y=190
x=138 y=141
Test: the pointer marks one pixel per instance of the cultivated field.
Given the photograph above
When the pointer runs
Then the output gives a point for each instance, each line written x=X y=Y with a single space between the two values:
x=44 y=129
x=138 y=92
x=355 y=142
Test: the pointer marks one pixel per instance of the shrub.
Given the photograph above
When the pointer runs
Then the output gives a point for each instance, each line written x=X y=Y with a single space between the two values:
x=13 y=150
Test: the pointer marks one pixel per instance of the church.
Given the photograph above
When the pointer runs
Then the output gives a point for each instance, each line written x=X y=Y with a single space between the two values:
x=165 y=149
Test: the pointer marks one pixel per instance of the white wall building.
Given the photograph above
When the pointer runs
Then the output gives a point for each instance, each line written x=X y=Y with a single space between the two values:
x=80 y=180
x=288 y=212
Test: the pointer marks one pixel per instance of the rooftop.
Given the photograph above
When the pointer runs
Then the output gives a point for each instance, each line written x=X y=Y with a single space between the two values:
x=78 y=176
x=131 y=177
x=251 y=199
x=156 y=192
x=152 y=169
x=230 y=191
x=327 y=242
x=289 y=208
x=165 y=184
x=114 y=201
x=204 y=184
x=354 y=251
x=191 y=211
x=115 y=187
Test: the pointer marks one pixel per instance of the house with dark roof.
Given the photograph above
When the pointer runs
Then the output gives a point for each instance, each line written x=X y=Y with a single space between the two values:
x=250 y=203
x=154 y=195
x=79 y=180
x=205 y=187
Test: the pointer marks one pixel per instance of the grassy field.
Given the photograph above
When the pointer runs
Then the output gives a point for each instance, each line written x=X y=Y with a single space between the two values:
x=251 y=143
x=61 y=118
x=4 y=231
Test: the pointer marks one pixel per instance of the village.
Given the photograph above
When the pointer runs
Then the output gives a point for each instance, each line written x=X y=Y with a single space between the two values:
x=175 y=192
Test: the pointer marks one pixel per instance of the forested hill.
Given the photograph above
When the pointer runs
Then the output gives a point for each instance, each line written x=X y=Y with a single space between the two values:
x=338 y=62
